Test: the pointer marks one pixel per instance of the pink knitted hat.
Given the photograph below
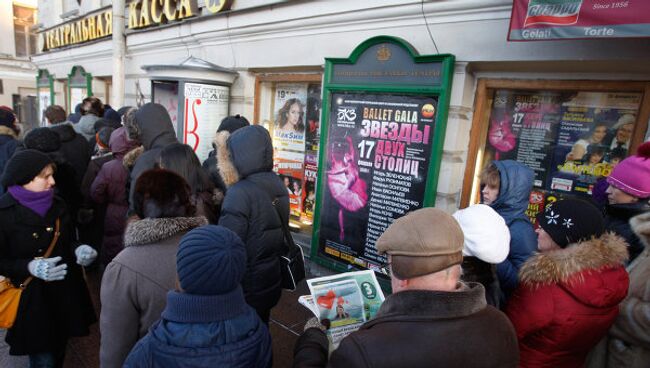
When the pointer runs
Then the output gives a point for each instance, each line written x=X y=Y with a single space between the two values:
x=632 y=175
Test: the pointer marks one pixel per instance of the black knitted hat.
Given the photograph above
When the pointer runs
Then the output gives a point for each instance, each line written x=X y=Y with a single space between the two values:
x=42 y=139
x=7 y=118
x=571 y=220
x=232 y=123
x=24 y=166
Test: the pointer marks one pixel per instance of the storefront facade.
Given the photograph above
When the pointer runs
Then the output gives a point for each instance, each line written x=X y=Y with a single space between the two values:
x=275 y=53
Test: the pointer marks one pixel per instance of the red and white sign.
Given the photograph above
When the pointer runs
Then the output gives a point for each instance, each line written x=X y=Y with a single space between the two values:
x=205 y=106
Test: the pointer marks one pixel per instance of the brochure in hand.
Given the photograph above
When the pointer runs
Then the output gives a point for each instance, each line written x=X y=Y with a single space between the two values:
x=347 y=300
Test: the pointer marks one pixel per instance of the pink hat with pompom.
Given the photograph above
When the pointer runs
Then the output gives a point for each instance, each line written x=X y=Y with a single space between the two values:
x=632 y=175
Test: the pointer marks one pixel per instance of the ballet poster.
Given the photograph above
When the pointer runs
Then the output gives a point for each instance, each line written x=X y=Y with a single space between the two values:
x=376 y=166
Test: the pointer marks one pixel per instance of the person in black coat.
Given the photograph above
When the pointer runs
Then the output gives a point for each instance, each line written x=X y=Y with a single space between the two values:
x=246 y=166
x=55 y=305
x=229 y=124
x=8 y=138
x=74 y=147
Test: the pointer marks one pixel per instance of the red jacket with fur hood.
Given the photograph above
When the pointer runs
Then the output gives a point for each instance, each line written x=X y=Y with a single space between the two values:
x=567 y=300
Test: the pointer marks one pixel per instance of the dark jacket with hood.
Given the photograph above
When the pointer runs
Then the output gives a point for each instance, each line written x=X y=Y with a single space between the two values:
x=421 y=328
x=205 y=331
x=567 y=300
x=246 y=165
x=74 y=147
x=109 y=188
x=617 y=219
x=49 y=312
x=136 y=282
x=8 y=144
x=153 y=128
x=516 y=181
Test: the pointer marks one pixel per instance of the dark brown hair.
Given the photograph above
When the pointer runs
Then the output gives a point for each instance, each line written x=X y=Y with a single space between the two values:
x=490 y=176
x=55 y=114
x=92 y=105
x=162 y=193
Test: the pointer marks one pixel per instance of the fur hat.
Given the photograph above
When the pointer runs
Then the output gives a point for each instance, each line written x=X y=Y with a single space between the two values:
x=570 y=221
x=422 y=242
x=232 y=123
x=486 y=234
x=24 y=166
x=211 y=260
x=42 y=139
x=632 y=175
x=162 y=193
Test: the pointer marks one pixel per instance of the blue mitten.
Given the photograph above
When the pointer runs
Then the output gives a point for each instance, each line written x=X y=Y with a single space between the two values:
x=85 y=255
x=47 y=269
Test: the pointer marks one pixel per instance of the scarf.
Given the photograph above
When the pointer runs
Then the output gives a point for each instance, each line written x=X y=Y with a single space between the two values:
x=39 y=202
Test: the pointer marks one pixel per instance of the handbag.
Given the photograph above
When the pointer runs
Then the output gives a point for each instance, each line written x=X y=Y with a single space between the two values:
x=292 y=262
x=10 y=295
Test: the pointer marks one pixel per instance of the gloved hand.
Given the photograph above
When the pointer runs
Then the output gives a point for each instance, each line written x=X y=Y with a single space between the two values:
x=47 y=269
x=313 y=322
x=85 y=255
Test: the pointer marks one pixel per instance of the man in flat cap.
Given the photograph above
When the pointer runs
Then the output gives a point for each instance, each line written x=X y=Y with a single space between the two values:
x=432 y=319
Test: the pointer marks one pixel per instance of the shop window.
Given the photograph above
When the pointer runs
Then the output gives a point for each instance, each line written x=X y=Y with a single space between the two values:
x=25 y=39
x=289 y=107
x=571 y=134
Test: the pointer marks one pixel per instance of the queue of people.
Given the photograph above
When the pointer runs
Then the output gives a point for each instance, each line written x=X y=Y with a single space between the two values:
x=190 y=256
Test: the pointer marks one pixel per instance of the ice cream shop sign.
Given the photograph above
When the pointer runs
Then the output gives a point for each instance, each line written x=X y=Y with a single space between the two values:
x=141 y=14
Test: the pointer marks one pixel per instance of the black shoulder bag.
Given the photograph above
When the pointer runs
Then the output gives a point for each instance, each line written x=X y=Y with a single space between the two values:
x=292 y=262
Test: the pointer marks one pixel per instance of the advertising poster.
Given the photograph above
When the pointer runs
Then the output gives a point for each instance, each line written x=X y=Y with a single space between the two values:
x=594 y=134
x=43 y=103
x=535 y=20
x=312 y=129
x=289 y=125
x=523 y=127
x=378 y=148
x=205 y=106
x=166 y=94
x=289 y=166
x=309 y=189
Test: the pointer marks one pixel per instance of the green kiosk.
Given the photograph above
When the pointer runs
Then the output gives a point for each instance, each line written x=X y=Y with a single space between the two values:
x=79 y=86
x=45 y=87
x=383 y=120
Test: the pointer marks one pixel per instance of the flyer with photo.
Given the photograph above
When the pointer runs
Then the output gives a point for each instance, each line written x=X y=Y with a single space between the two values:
x=347 y=300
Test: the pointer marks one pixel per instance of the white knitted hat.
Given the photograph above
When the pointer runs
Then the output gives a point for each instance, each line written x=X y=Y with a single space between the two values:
x=487 y=236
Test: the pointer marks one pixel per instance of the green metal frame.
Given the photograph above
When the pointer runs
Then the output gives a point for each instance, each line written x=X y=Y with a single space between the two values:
x=87 y=84
x=50 y=84
x=442 y=91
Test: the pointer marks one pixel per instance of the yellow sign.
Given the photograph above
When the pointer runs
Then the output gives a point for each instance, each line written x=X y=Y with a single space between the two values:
x=141 y=14
x=87 y=29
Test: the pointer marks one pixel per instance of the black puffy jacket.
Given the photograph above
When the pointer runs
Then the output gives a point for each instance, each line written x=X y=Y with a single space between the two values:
x=246 y=165
x=74 y=148
x=617 y=219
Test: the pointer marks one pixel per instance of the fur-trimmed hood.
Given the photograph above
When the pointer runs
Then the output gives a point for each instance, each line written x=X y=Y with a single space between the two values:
x=578 y=264
x=7 y=131
x=641 y=226
x=129 y=158
x=151 y=230
x=245 y=152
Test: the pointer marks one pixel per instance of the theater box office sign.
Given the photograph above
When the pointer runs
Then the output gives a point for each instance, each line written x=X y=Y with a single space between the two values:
x=384 y=116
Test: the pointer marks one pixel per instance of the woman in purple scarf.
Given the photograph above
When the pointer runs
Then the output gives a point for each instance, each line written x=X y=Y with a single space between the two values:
x=55 y=305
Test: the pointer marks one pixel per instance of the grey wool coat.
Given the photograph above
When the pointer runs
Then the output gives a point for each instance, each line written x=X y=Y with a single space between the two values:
x=628 y=342
x=135 y=284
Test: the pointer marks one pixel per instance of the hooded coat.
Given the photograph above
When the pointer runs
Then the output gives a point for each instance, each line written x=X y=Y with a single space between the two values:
x=136 y=282
x=8 y=145
x=154 y=131
x=567 y=300
x=74 y=147
x=246 y=166
x=205 y=331
x=628 y=342
x=86 y=127
x=109 y=188
x=49 y=312
x=421 y=328
x=516 y=181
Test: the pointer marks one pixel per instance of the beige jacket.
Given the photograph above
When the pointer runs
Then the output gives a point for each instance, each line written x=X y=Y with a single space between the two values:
x=628 y=342
x=135 y=284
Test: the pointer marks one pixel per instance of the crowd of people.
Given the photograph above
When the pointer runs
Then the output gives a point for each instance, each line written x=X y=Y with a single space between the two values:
x=190 y=256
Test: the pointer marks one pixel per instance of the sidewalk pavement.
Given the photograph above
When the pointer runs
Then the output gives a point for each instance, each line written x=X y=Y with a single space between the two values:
x=286 y=324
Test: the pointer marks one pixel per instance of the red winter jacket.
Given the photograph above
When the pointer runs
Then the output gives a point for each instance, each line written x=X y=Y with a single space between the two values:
x=567 y=300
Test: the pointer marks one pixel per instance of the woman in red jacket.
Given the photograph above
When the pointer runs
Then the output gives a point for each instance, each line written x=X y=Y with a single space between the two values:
x=569 y=293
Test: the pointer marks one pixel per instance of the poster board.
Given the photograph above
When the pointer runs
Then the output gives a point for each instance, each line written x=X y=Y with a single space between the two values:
x=204 y=106
x=383 y=120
